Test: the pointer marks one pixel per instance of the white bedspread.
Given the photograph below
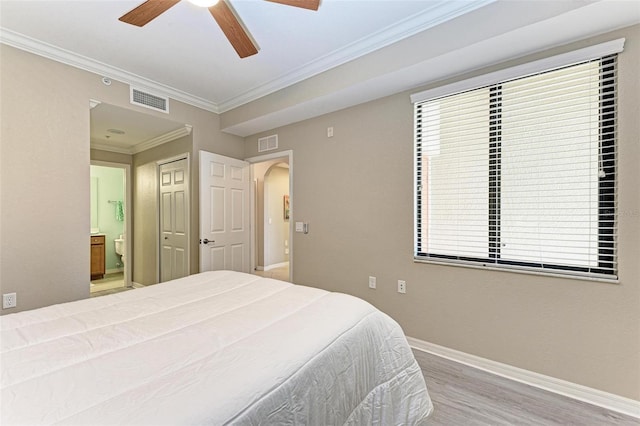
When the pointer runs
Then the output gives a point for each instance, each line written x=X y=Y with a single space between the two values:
x=214 y=348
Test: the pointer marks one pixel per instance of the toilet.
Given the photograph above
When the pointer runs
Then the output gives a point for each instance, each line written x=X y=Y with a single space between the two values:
x=120 y=248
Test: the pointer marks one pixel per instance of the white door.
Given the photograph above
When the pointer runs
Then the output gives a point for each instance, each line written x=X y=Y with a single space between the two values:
x=224 y=213
x=174 y=220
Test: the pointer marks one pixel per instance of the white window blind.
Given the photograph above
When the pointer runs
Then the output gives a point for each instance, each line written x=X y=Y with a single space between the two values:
x=521 y=173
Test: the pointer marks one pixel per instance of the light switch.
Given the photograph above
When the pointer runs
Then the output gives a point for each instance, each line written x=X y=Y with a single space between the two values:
x=299 y=227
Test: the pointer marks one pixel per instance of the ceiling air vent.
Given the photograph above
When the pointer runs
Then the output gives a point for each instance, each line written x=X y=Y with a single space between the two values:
x=147 y=100
x=268 y=143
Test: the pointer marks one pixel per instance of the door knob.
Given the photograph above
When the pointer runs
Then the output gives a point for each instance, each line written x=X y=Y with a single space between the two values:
x=207 y=241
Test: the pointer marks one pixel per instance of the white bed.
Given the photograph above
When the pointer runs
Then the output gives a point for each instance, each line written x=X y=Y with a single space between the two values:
x=213 y=348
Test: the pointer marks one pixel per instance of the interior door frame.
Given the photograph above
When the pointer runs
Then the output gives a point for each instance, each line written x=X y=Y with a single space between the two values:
x=128 y=229
x=260 y=159
x=159 y=163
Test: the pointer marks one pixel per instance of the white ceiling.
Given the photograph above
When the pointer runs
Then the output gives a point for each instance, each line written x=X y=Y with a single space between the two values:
x=184 y=48
x=380 y=47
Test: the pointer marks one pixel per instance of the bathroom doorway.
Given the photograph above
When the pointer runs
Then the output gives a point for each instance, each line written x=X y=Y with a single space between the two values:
x=110 y=226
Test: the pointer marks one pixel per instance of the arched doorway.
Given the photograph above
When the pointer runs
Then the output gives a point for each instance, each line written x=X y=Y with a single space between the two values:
x=273 y=249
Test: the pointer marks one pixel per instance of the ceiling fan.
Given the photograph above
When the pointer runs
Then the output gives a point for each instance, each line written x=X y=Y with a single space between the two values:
x=221 y=12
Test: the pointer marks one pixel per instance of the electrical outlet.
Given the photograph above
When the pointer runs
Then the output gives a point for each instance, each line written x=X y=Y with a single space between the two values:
x=402 y=286
x=9 y=300
x=372 y=282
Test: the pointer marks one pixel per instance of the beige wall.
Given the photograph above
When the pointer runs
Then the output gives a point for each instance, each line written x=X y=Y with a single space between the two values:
x=44 y=227
x=356 y=191
x=111 y=157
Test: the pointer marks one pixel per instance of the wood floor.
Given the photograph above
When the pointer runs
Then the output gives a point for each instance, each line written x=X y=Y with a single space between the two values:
x=467 y=396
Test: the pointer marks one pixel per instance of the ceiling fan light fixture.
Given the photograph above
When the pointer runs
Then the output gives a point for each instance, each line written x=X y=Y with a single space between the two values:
x=204 y=3
x=222 y=12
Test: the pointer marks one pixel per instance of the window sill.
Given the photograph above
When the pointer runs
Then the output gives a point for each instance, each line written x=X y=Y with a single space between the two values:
x=518 y=269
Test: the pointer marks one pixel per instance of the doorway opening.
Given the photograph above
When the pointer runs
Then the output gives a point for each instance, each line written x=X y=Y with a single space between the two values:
x=110 y=226
x=272 y=215
x=137 y=141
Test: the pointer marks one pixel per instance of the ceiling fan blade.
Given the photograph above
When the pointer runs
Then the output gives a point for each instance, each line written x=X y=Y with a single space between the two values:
x=147 y=11
x=233 y=29
x=306 y=4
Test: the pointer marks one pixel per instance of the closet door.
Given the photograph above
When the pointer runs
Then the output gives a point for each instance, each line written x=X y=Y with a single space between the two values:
x=174 y=219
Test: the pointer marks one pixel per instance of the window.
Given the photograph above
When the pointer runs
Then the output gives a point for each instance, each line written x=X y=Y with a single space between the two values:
x=521 y=173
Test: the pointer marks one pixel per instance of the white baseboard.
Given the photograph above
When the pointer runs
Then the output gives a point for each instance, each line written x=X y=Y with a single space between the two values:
x=610 y=401
x=114 y=271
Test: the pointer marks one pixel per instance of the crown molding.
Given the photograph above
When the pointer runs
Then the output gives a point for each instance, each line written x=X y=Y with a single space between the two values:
x=441 y=12
x=37 y=47
x=148 y=144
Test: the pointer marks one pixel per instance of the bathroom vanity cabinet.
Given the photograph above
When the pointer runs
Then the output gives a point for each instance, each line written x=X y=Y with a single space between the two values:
x=97 y=257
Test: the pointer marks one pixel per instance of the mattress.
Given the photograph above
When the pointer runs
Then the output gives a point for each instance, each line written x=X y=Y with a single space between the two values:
x=213 y=348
